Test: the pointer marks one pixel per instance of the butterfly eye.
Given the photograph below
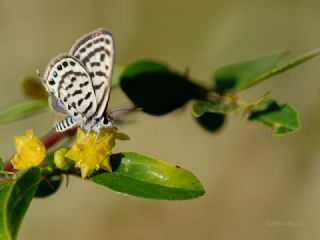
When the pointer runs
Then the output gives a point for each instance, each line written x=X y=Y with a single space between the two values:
x=51 y=82
x=54 y=74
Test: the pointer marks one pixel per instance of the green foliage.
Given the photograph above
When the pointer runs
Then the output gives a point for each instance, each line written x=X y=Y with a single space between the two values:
x=284 y=119
x=22 y=110
x=211 y=122
x=284 y=67
x=201 y=107
x=48 y=185
x=240 y=76
x=243 y=75
x=15 y=198
x=157 y=89
x=51 y=179
x=4 y=231
x=142 y=176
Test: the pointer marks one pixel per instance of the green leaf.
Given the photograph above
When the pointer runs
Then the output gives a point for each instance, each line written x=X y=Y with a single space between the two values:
x=117 y=72
x=48 y=161
x=138 y=175
x=289 y=65
x=200 y=107
x=211 y=122
x=284 y=119
x=156 y=89
x=48 y=185
x=261 y=100
x=32 y=87
x=243 y=75
x=4 y=231
x=15 y=198
x=21 y=110
x=145 y=66
x=51 y=179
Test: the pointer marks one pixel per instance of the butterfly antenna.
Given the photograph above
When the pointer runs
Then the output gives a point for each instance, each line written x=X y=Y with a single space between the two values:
x=117 y=113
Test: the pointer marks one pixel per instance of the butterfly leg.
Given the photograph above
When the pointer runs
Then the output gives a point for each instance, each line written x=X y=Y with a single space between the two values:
x=85 y=138
x=89 y=128
x=97 y=136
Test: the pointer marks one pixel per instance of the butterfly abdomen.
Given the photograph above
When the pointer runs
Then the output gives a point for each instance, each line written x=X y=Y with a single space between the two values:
x=65 y=124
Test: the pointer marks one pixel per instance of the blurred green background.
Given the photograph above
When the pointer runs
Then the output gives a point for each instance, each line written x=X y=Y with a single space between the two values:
x=257 y=186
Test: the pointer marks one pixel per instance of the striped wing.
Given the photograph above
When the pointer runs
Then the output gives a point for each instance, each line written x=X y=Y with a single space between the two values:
x=96 y=51
x=68 y=81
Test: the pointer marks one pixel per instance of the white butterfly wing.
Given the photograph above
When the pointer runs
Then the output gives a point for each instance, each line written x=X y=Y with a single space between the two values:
x=96 y=51
x=68 y=81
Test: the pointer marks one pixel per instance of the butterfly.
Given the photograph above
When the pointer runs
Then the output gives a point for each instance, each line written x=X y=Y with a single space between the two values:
x=79 y=82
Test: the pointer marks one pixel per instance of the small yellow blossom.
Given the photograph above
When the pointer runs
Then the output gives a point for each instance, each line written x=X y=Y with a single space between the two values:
x=61 y=161
x=91 y=153
x=30 y=151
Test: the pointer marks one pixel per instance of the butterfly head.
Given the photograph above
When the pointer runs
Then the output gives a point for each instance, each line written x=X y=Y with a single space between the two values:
x=97 y=124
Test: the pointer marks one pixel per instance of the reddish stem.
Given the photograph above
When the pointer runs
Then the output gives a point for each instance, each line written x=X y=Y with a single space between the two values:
x=8 y=166
x=53 y=137
x=49 y=140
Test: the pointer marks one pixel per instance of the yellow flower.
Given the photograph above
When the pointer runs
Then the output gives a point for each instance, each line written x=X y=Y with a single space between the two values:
x=61 y=161
x=30 y=151
x=91 y=153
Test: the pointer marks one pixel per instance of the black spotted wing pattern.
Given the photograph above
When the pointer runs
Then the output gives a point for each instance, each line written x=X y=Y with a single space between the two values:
x=96 y=52
x=68 y=80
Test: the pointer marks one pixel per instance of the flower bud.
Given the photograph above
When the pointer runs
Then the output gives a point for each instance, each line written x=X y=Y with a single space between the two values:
x=61 y=161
